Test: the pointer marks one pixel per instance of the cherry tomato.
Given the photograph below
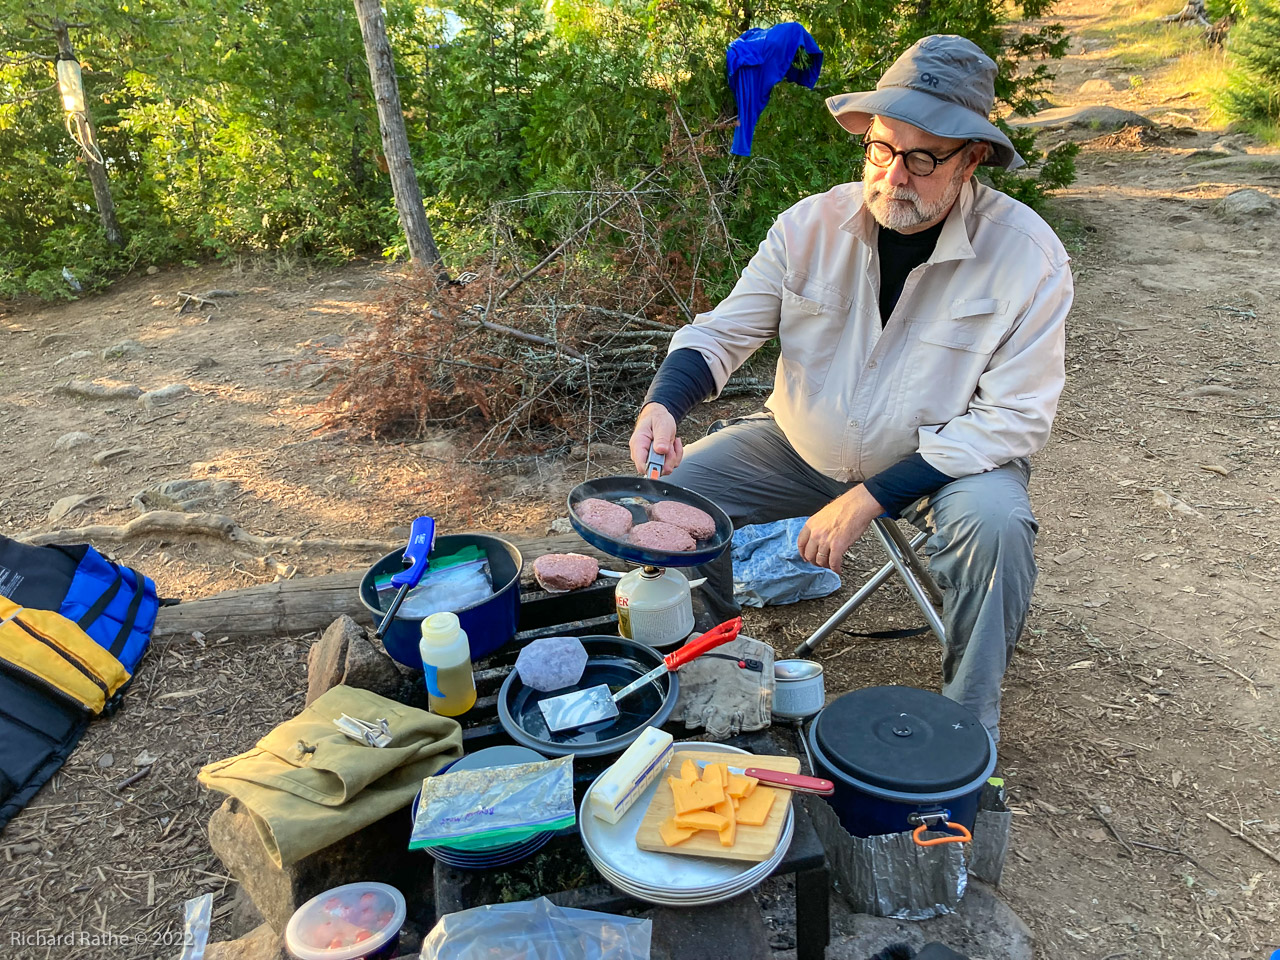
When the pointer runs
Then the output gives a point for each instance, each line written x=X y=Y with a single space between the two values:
x=336 y=942
x=368 y=899
x=362 y=935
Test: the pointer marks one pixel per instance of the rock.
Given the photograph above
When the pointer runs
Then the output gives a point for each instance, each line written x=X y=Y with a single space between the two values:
x=106 y=761
x=1248 y=202
x=1093 y=117
x=379 y=851
x=327 y=658
x=262 y=944
x=69 y=505
x=1178 y=120
x=158 y=398
x=1263 y=164
x=152 y=270
x=560 y=525
x=1097 y=86
x=336 y=285
x=115 y=453
x=124 y=350
x=368 y=667
x=74 y=357
x=84 y=390
x=184 y=495
x=982 y=925
x=204 y=363
x=51 y=338
x=70 y=441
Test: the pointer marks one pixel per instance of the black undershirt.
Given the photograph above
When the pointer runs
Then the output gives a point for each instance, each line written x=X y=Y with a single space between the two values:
x=685 y=379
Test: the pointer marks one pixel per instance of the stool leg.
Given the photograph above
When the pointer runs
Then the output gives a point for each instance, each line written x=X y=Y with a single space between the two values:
x=908 y=550
x=908 y=575
x=851 y=604
x=813 y=916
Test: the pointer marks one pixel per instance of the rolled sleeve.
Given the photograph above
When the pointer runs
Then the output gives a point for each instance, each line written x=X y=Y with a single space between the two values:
x=1017 y=396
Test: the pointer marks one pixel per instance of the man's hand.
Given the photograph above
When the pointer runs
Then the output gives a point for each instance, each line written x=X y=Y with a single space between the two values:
x=656 y=429
x=836 y=527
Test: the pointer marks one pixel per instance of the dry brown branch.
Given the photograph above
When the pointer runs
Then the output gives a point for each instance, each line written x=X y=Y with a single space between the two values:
x=1240 y=835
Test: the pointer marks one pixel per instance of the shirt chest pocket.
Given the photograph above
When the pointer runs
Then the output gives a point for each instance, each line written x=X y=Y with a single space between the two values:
x=811 y=324
x=946 y=356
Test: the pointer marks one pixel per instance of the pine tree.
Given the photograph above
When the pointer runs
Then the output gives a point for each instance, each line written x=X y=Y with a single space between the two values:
x=1253 y=86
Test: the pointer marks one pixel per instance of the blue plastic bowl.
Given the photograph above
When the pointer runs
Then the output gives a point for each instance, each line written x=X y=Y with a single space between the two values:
x=489 y=624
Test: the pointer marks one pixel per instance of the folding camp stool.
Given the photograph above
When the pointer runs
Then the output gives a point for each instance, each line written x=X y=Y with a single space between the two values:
x=902 y=558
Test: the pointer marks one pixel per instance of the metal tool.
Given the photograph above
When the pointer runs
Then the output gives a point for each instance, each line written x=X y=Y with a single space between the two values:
x=422 y=538
x=795 y=782
x=577 y=709
x=369 y=732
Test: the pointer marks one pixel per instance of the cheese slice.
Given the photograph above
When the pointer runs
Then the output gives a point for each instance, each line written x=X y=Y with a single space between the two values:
x=696 y=795
x=689 y=771
x=740 y=786
x=701 y=820
x=754 y=810
x=729 y=832
x=672 y=834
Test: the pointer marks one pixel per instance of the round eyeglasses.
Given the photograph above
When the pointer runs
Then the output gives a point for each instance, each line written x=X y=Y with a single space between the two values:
x=920 y=163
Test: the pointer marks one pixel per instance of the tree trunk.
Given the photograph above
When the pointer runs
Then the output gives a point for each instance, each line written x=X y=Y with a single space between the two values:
x=92 y=157
x=395 y=139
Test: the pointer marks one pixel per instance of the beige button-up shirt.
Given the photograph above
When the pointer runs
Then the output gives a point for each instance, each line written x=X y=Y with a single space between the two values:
x=967 y=370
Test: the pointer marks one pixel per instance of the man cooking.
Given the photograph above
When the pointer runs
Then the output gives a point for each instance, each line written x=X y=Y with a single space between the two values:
x=920 y=316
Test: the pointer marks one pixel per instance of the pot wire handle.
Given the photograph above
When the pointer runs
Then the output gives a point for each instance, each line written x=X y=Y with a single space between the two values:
x=918 y=832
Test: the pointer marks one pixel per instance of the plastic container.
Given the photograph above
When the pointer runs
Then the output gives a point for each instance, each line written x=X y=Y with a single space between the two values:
x=895 y=753
x=489 y=624
x=446 y=665
x=357 y=921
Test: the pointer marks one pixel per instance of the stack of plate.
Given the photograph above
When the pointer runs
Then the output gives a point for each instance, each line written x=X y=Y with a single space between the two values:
x=670 y=879
x=479 y=854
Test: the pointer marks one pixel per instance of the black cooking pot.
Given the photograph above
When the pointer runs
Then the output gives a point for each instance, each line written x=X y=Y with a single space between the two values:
x=616 y=661
x=901 y=759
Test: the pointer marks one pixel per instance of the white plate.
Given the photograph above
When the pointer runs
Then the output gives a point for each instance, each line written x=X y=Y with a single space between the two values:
x=613 y=847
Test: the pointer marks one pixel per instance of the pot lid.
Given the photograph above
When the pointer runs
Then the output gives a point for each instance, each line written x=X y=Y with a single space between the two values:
x=903 y=739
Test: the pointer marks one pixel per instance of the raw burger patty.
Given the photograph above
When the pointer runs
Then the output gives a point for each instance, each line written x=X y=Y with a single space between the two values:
x=656 y=535
x=698 y=523
x=611 y=519
x=565 y=571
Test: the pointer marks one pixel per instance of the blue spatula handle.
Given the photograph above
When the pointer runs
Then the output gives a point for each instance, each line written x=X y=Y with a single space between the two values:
x=422 y=537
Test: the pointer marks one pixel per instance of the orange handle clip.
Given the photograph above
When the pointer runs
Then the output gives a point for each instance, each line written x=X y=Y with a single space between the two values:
x=918 y=832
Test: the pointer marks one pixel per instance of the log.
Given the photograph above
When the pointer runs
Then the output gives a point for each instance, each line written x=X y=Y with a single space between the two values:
x=308 y=604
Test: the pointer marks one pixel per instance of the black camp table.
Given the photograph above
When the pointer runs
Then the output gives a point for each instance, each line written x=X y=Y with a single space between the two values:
x=591 y=611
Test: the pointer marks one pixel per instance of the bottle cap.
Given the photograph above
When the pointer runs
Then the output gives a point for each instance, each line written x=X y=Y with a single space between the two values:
x=441 y=628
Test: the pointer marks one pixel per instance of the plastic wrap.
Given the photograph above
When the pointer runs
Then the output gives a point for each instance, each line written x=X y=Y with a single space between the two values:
x=537 y=930
x=442 y=591
x=497 y=804
x=891 y=875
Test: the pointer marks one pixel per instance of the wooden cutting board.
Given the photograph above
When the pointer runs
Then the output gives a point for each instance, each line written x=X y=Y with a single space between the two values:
x=752 y=843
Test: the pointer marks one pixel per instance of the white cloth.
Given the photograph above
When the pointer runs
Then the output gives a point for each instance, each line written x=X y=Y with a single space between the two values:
x=968 y=370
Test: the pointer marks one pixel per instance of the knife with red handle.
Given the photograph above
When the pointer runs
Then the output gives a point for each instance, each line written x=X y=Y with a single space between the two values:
x=795 y=782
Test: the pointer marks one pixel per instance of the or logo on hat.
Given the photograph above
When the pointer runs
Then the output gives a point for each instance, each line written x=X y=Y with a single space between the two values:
x=930 y=79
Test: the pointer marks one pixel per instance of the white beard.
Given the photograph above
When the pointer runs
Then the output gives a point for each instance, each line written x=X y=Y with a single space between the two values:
x=887 y=206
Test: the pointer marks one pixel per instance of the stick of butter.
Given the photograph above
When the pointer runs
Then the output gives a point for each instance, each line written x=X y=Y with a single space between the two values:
x=622 y=784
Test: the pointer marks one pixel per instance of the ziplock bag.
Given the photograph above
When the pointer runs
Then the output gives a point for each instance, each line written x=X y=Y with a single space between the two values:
x=445 y=590
x=496 y=804
x=542 y=931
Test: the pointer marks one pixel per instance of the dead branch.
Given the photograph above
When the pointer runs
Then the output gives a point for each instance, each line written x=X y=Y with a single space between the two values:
x=1240 y=835
x=1193 y=12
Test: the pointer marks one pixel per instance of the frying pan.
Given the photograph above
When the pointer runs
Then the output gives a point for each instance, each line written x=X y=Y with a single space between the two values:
x=634 y=493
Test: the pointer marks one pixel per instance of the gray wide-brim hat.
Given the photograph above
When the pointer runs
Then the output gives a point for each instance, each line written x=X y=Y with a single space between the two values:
x=943 y=84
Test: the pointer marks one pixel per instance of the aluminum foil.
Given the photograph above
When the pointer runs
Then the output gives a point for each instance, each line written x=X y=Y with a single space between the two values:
x=891 y=875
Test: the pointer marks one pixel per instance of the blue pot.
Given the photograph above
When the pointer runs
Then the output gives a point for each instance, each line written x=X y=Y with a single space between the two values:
x=489 y=624
x=896 y=754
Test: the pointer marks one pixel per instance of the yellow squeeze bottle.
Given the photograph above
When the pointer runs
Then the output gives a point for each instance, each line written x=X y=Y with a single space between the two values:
x=446 y=665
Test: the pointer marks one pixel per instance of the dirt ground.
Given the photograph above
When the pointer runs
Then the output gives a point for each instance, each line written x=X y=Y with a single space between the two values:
x=1143 y=698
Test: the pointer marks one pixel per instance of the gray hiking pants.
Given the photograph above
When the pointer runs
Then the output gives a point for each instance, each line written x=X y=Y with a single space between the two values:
x=981 y=533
